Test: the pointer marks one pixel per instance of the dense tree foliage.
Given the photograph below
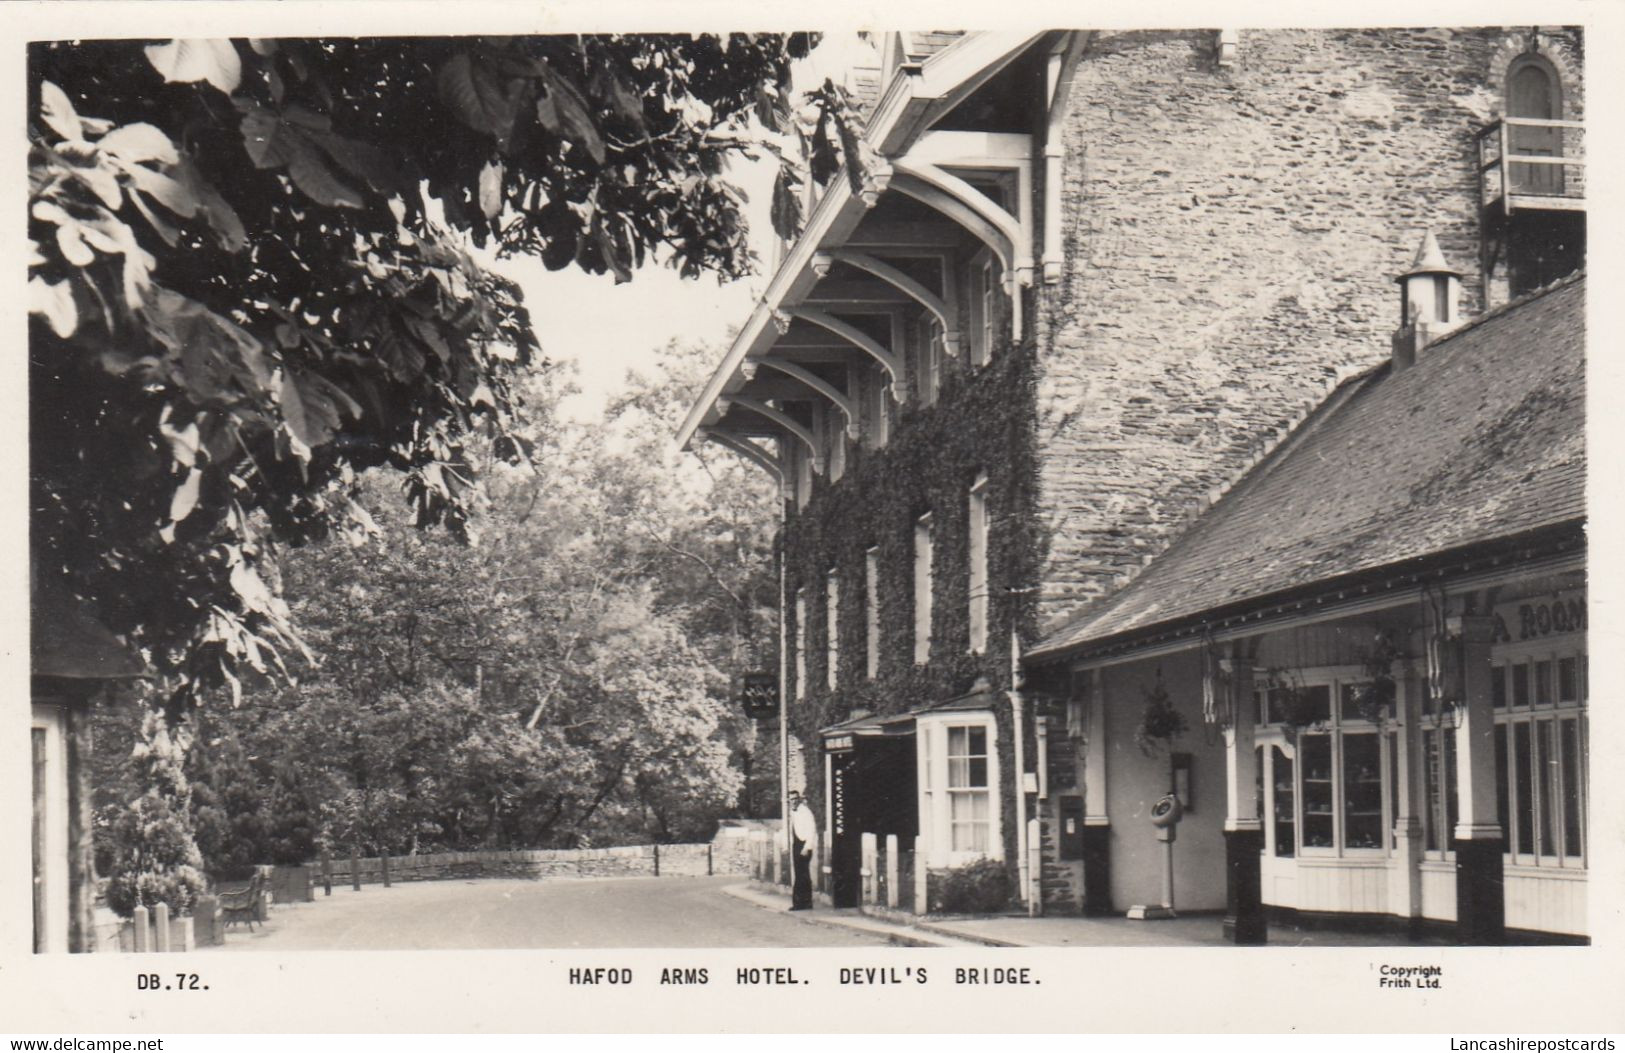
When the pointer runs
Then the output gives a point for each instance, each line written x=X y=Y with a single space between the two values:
x=250 y=282
x=562 y=678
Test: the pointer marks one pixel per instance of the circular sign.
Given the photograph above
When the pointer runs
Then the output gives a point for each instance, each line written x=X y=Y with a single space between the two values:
x=1167 y=811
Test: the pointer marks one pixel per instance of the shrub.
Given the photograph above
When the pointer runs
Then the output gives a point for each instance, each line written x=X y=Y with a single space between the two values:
x=155 y=858
x=982 y=887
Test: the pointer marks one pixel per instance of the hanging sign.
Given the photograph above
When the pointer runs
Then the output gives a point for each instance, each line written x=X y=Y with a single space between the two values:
x=838 y=743
x=759 y=694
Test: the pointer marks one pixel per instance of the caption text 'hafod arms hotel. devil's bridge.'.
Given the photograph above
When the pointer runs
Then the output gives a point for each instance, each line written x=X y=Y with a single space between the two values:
x=1196 y=412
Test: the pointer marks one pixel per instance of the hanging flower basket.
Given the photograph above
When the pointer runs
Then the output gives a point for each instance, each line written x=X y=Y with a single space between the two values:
x=1374 y=700
x=1290 y=703
x=1160 y=723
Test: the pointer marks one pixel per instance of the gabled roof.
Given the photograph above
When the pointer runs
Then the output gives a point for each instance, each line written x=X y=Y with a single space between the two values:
x=910 y=101
x=921 y=46
x=1483 y=439
x=67 y=641
x=865 y=81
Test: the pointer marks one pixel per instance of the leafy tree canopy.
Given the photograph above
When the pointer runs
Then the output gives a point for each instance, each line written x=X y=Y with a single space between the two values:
x=250 y=281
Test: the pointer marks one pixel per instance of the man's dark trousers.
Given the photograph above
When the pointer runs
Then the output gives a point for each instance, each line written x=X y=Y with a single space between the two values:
x=801 y=866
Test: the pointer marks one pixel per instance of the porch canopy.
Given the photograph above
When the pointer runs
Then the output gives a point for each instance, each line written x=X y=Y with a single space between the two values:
x=876 y=254
x=979 y=699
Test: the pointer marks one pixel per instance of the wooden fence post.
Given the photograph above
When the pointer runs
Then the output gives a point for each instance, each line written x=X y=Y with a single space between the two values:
x=355 y=867
x=138 y=921
x=1035 y=869
x=160 y=924
x=922 y=902
x=867 y=861
x=383 y=861
x=327 y=871
x=709 y=866
x=657 y=859
x=891 y=870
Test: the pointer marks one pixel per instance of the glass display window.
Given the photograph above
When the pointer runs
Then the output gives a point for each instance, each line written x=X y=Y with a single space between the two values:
x=1329 y=786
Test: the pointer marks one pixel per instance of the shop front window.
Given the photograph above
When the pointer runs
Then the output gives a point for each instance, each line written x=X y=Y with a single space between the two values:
x=1332 y=791
x=1439 y=769
x=1319 y=812
x=1540 y=756
x=1285 y=817
x=1362 y=791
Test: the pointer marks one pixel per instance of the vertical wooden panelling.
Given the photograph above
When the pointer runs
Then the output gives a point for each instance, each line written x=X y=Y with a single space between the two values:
x=1550 y=902
x=1344 y=887
x=1439 y=892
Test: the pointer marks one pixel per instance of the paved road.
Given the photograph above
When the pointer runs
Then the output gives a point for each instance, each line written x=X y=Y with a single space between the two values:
x=492 y=914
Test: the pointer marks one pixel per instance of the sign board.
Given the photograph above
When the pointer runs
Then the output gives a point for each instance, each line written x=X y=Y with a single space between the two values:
x=1540 y=616
x=838 y=744
x=759 y=694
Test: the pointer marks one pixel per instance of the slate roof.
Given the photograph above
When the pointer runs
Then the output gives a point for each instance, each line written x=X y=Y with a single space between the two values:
x=864 y=81
x=1482 y=439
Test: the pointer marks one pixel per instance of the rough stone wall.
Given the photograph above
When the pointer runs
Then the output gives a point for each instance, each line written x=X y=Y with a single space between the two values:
x=1231 y=239
x=1060 y=883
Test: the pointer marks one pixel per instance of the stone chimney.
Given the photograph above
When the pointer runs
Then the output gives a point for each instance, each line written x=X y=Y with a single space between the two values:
x=1429 y=302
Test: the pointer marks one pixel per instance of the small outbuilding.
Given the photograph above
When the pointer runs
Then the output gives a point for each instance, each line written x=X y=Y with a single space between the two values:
x=75 y=660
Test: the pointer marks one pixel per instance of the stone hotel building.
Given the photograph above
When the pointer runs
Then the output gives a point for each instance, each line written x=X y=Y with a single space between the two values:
x=1193 y=413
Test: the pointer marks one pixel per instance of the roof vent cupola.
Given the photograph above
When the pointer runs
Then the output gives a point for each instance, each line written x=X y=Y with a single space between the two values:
x=1429 y=302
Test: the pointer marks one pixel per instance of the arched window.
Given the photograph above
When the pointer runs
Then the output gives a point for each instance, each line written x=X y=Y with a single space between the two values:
x=1534 y=93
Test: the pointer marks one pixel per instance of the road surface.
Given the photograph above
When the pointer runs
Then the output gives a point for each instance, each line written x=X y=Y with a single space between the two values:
x=558 y=912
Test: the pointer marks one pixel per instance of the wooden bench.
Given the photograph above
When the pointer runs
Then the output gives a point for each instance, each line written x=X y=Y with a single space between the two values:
x=243 y=904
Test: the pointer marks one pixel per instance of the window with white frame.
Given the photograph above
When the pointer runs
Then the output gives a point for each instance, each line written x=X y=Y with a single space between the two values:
x=835 y=440
x=977 y=555
x=969 y=811
x=877 y=408
x=989 y=289
x=1439 y=806
x=804 y=473
x=1277 y=798
x=832 y=610
x=922 y=589
x=932 y=351
x=1541 y=740
x=871 y=612
x=959 y=807
x=984 y=306
x=801 y=644
x=1329 y=792
x=928 y=781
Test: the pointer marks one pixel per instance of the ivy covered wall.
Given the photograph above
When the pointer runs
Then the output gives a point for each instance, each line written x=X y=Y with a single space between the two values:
x=982 y=422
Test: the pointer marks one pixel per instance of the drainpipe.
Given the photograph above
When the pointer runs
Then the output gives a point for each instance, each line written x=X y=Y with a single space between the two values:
x=1016 y=706
x=784 y=671
x=1062 y=65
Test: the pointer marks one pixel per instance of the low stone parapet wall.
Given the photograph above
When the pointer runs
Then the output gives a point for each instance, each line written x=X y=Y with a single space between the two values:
x=689 y=860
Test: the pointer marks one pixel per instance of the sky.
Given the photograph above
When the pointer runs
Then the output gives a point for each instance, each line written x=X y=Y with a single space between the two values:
x=606 y=329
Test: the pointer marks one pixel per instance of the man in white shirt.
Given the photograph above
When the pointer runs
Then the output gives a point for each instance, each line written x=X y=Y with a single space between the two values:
x=803 y=835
